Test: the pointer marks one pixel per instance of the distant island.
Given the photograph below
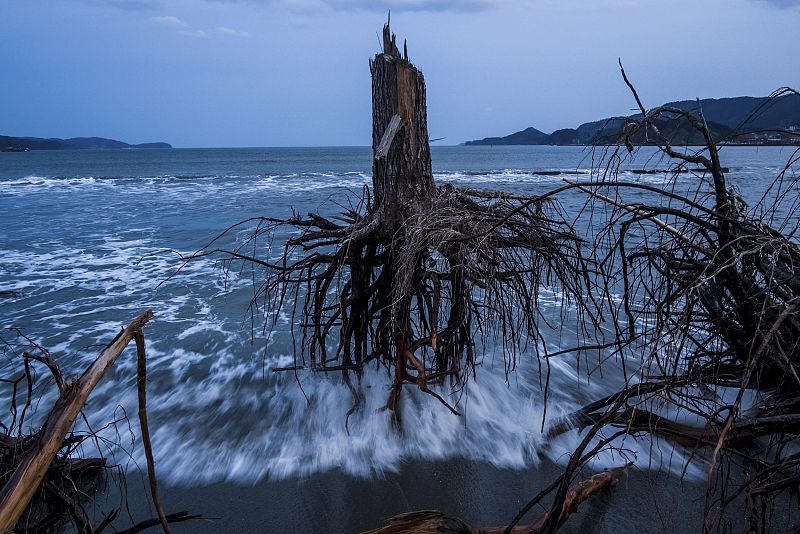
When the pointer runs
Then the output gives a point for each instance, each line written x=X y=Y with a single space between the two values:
x=24 y=144
x=742 y=120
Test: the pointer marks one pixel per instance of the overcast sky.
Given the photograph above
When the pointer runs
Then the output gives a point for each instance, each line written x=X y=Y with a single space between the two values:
x=295 y=72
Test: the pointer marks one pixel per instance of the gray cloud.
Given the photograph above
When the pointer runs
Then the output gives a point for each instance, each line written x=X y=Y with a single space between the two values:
x=197 y=34
x=233 y=32
x=169 y=20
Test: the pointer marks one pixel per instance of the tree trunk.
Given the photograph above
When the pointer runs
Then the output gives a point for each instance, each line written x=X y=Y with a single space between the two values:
x=402 y=176
x=402 y=179
x=406 y=264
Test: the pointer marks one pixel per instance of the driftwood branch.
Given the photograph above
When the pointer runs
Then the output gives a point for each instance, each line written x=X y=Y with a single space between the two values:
x=24 y=482
x=141 y=382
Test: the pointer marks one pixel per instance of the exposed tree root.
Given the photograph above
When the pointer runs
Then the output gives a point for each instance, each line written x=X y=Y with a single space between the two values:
x=709 y=301
x=414 y=274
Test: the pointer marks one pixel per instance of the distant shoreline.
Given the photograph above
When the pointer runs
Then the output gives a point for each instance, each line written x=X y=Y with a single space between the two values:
x=28 y=144
x=745 y=120
x=366 y=147
x=581 y=145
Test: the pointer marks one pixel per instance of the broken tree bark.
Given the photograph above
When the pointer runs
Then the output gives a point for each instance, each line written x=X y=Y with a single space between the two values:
x=402 y=176
x=402 y=179
x=23 y=484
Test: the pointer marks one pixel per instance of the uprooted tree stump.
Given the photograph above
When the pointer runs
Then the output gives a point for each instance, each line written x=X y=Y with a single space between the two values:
x=410 y=278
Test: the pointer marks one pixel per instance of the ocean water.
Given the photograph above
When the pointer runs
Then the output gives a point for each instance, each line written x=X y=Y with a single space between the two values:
x=91 y=238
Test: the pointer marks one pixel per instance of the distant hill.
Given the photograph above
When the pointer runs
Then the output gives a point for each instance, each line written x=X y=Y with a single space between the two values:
x=528 y=136
x=724 y=117
x=36 y=143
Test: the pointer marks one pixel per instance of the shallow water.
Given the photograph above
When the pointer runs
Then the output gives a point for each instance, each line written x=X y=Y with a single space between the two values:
x=89 y=241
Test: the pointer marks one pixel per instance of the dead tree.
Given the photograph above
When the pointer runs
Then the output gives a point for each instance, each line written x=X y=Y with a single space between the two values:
x=410 y=277
x=708 y=300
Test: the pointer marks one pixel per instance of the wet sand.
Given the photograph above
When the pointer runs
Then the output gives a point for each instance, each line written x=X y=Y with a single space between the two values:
x=482 y=495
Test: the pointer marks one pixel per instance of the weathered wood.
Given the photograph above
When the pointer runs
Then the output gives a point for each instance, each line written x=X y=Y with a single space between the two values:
x=388 y=136
x=424 y=522
x=577 y=496
x=402 y=180
x=24 y=482
x=141 y=383
x=574 y=498
x=428 y=270
x=402 y=177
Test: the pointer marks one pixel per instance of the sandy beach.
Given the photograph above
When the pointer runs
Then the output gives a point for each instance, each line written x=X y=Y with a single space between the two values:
x=482 y=495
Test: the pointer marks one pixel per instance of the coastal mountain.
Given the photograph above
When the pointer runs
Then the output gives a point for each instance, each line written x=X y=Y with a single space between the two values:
x=755 y=121
x=528 y=136
x=37 y=143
